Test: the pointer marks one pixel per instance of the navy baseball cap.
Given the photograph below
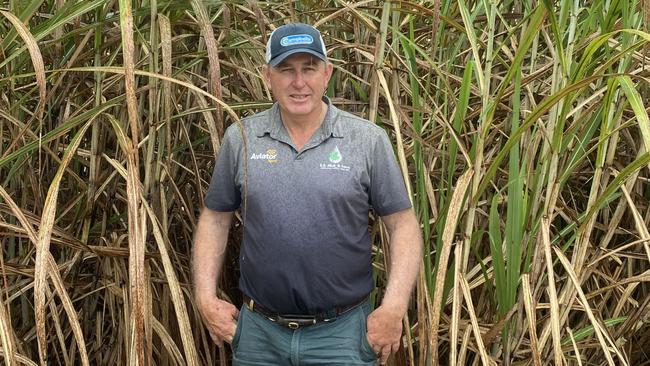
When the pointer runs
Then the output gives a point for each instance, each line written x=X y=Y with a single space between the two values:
x=293 y=38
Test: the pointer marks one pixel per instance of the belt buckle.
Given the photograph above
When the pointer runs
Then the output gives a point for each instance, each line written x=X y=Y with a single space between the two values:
x=296 y=321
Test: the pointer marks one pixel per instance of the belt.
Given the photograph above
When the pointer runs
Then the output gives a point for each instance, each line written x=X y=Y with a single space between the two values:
x=295 y=321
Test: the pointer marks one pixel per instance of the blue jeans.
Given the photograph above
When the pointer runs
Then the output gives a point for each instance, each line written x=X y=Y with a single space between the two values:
x=259 y=341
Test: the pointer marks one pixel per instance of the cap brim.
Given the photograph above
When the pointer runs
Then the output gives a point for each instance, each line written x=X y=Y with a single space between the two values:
x=279 y=58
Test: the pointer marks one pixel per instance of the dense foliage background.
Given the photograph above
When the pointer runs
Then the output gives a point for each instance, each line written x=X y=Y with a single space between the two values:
x=522 y=128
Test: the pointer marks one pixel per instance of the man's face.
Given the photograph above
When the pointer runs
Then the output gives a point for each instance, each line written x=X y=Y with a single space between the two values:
x=298 y=84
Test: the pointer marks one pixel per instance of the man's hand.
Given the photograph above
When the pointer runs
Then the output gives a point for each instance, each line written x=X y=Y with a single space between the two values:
x=384 y=332
x=385 y=323
x=220 y=317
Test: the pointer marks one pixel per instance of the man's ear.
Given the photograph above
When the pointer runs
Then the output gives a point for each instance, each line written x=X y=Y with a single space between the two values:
x=329 y=69
x=266 y=74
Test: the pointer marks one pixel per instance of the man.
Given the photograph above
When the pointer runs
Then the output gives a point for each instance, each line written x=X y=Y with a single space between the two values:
x=305 y=180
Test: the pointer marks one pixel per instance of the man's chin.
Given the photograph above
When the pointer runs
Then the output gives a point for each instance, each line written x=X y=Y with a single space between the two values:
x=299 y=110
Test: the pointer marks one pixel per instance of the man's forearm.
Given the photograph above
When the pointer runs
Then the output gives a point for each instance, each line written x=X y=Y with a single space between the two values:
x=209 y=248
x=405 y=256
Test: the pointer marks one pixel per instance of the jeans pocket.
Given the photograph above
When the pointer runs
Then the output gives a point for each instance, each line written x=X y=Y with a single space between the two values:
x=237 y=335
x=366 y=349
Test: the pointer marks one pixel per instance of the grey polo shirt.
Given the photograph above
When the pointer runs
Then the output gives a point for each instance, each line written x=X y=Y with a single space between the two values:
x=306 y=246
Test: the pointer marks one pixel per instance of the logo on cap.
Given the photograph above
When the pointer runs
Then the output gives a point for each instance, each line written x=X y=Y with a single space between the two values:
x=296 y=39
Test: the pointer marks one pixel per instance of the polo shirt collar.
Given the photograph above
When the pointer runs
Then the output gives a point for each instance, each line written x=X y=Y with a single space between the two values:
x=274 y=127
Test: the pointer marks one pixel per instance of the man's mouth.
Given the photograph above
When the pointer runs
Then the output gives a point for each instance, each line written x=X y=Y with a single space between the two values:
x=299 y=97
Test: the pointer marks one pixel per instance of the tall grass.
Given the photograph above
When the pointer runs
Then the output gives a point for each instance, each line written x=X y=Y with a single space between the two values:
x=521 y=127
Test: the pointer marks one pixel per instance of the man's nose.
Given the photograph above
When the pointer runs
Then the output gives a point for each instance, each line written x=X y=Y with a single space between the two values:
x=299 y=79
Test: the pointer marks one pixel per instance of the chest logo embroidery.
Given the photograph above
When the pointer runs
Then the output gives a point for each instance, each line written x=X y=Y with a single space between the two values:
x=335 y=158
x=335 y=155
x=271 y=156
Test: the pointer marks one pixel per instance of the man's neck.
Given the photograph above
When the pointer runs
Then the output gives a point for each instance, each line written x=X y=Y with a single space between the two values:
x=301 y=128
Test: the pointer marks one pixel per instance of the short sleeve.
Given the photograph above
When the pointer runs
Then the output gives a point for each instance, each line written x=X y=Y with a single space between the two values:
x=387 y=191
x=223 y=193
